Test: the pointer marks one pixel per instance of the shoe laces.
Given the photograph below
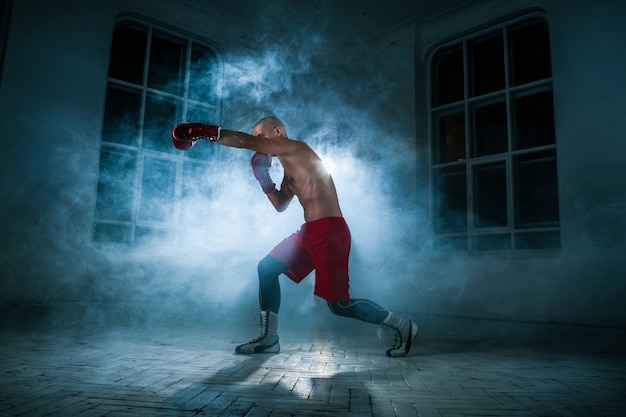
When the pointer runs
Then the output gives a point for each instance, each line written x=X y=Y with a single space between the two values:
x=262 y=326
x=397 y=335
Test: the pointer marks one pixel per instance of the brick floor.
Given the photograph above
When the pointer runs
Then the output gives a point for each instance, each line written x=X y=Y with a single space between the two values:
x=565 y=371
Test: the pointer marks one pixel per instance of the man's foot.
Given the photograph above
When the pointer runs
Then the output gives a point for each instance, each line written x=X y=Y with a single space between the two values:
x=403 y=341
x=267 y=341
x=258 y=346
x=404 y=332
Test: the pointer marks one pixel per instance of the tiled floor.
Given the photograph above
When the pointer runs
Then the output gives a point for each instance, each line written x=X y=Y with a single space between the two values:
x=496 y=369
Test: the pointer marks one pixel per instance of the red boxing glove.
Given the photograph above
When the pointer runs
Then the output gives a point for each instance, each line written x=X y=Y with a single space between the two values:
x=261 y=164
x=185 y=135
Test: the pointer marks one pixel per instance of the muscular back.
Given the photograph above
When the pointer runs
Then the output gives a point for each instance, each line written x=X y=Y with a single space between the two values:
x=306 y=178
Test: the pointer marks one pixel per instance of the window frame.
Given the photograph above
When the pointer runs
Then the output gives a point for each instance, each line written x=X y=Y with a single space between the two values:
x=178 y=160
x=5 y=19
x=466 y=241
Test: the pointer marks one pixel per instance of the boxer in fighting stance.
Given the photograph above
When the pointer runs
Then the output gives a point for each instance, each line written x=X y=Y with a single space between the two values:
x=323 y=242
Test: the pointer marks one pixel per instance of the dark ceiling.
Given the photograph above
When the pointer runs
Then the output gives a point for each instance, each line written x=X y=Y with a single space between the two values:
x=337 y=20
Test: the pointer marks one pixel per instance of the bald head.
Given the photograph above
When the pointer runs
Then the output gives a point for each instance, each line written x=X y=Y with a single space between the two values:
x=271 y=124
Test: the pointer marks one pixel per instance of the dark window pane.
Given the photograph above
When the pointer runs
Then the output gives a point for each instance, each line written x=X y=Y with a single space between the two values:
x=491 y=242
x=121 y=116
x=197 y=192
x=203 y=74
x=450 y=199
x=489 y=129
x=534 y=120
x=447 y=71
x=530 y=53
x=112 y=233
x=128 y=53
x=116 y=184
x=200 y=185
x=490 y=196
x=167 y=64
x=450 y=243
x=538 y=240
x=536 y=189
x=160 y=116
x=450 y=140
x=486 y=65
x=201 y=113
x=145 y=235
x=158 y=190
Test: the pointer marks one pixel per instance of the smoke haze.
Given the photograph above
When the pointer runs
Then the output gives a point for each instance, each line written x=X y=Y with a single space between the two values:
x=354 y=116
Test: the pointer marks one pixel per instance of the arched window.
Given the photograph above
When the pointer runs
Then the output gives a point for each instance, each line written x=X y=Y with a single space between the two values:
x=156 y=79
x=494 y=170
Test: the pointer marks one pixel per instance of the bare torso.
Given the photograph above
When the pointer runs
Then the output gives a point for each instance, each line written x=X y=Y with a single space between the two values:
x=307 y=179
x=304 y=174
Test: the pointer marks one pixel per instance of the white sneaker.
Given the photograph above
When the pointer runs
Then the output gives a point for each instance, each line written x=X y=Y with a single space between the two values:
x=404 y=332
x=267 y=341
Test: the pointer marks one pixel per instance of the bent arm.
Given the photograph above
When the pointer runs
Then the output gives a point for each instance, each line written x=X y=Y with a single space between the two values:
x=280 y=199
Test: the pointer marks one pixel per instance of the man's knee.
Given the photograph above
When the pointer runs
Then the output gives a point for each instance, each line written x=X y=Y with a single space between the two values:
x=337 y=308
x=270 y=268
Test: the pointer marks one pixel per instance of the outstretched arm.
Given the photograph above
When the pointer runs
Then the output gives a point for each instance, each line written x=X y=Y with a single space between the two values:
x=269 y=146
x=185 y=135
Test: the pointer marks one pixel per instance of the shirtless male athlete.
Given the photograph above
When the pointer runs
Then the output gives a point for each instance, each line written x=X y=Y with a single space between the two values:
x=323 y=242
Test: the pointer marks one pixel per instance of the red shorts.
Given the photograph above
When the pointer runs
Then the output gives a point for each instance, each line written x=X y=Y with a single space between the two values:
x=323 y=245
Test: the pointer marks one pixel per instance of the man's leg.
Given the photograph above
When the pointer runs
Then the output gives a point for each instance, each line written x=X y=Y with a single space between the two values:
x=269 y=302
x=368 y=311
x=360 y=309
x=269 y=287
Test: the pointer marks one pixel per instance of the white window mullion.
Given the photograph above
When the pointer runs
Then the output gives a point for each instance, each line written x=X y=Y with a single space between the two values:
x=509 y=135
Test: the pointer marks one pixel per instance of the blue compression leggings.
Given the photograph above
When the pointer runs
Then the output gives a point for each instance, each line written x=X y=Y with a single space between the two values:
x=269 y=296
